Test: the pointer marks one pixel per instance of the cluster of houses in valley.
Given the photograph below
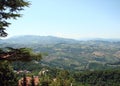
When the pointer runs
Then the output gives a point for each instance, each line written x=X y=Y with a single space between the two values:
x=36 y=79
x=22 y=71
x=28 y=80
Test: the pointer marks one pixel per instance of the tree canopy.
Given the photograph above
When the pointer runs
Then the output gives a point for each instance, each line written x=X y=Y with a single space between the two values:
x=9 y=10
x=21 y=54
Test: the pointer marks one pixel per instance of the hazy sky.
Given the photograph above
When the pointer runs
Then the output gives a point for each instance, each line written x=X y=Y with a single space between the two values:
x=69 y=19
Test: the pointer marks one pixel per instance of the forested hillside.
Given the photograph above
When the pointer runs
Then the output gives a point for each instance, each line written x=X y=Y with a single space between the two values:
x=70 y=54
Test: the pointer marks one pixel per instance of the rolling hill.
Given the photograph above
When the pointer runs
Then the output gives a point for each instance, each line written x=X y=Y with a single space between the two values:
x=69 y=53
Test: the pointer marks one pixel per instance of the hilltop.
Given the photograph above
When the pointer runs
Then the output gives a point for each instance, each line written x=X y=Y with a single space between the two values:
x=29 y=39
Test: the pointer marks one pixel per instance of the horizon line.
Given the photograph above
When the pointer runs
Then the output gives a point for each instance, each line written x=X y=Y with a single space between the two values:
x=76 y=38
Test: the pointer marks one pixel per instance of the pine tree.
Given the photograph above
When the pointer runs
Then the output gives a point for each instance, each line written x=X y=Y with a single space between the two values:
x=9 y=10
x=33 y=81
x=24 y=80
x=21 y=54
x=7 y=76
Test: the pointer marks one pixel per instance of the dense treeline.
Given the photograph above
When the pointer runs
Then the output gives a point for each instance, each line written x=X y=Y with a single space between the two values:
x=99 y=78
x=109 y=77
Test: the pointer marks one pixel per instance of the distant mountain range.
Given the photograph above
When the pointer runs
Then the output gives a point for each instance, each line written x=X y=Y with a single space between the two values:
x=101 y=39
x=49 y=40
x=27 y=39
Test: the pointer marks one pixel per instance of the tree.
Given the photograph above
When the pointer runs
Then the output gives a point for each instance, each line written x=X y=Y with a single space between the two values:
x=24 y=80
x=32 y=81
x=7 y=76
x=21 y=54
x=9 y=10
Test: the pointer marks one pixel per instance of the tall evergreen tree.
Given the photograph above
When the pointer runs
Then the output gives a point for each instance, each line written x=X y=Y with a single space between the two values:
x=7 y=76
x=24 y=80
x=33 y=81
x=9 y=10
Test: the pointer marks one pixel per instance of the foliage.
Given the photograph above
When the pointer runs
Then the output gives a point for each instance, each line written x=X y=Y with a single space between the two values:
x=99 y=78
x=9 y=10
x=21 y=54
x=7 y=76
x=59 y=78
